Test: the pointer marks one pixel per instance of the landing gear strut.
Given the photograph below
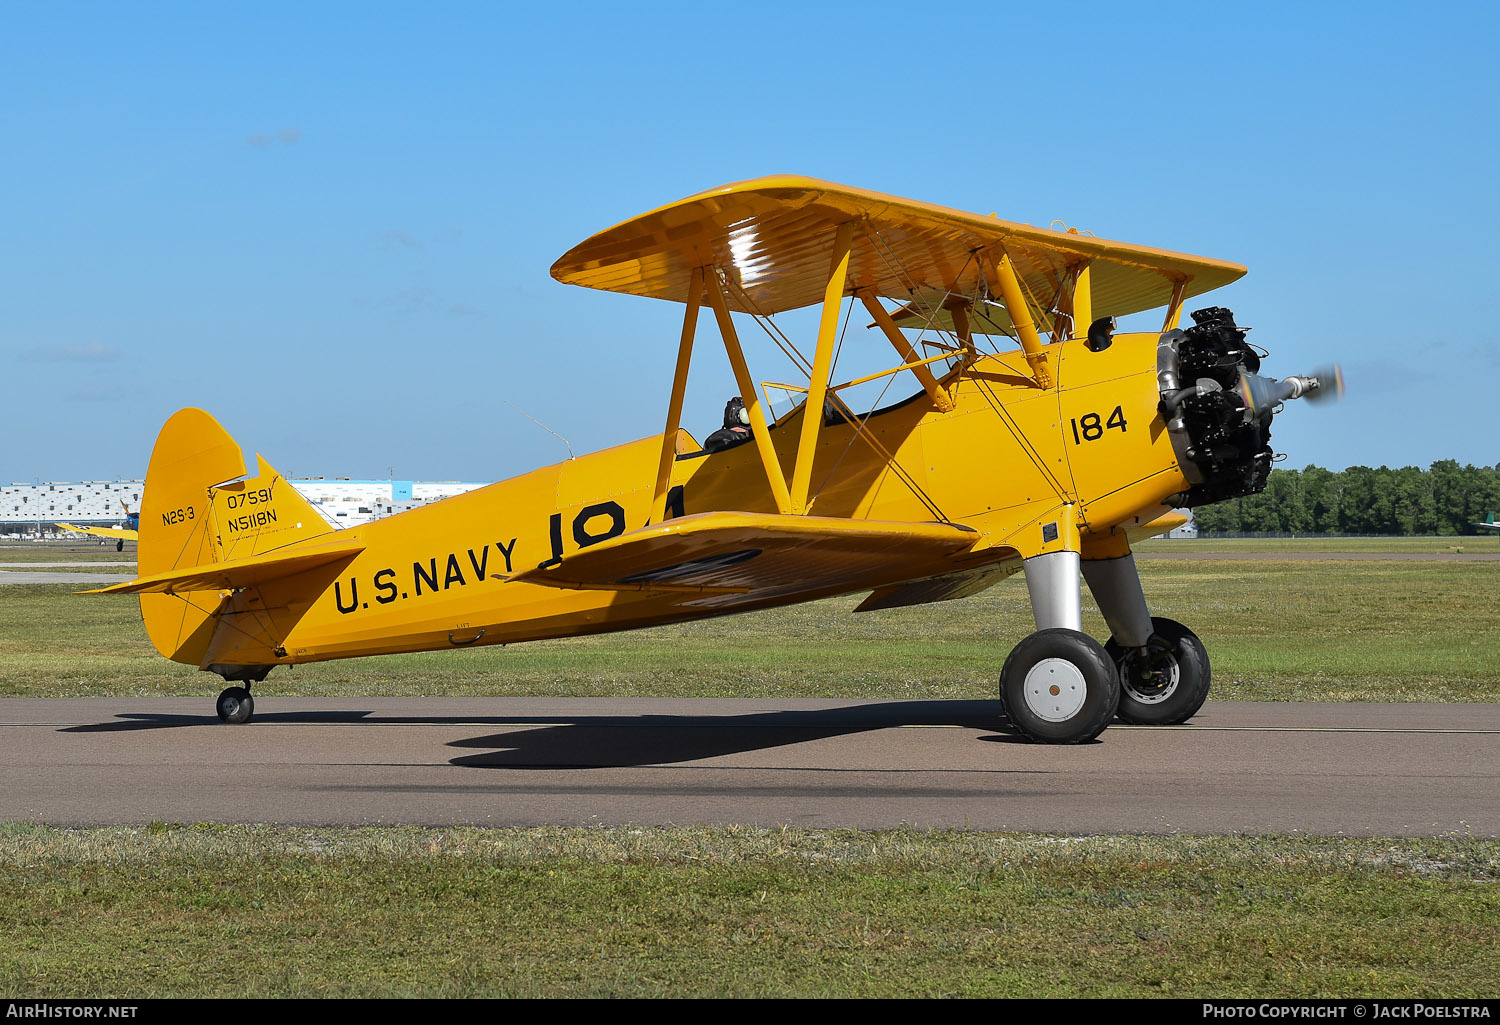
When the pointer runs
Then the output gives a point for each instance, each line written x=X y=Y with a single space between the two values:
x=1164 y=671
x=1060 y=686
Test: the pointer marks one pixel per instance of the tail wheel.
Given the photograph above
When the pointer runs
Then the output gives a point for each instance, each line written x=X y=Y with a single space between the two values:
x=1166 y=682
x=235 y=705
x=1059 y=687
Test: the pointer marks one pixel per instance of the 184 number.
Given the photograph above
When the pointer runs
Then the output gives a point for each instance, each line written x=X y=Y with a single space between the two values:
x=1091 y=426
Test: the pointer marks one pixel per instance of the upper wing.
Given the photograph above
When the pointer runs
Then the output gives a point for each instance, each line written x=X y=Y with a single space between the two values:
x=118 y=533
x=774 y=237
x=736 y=558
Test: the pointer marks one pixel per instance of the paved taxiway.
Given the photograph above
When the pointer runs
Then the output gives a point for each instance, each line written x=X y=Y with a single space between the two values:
x=1397 y=769
x=47 y=573
x=8 y=576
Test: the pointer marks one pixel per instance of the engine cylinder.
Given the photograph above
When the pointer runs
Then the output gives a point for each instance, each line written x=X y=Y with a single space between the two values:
x=1223 y=445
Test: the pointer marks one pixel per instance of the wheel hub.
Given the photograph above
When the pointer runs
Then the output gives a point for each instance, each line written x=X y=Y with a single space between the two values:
x=1150 y=676
x=1055 y=690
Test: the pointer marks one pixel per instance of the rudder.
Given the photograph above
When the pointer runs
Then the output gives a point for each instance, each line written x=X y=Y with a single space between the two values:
x=196 y=510
x=192 y=453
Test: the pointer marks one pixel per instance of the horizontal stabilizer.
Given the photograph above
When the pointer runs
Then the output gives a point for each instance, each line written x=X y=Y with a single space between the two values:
x=734 y=558
x=235 y=574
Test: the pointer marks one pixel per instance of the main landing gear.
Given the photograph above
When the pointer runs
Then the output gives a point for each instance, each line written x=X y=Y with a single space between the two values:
x=1060 y=686
x=1164 y=681
x=236 y=705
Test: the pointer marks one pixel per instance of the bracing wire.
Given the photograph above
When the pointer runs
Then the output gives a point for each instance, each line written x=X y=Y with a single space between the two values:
x=843 y=333
x=543 y=426
x=861 y=431
x=772 y=330
x=893 y=264
x=223 y=618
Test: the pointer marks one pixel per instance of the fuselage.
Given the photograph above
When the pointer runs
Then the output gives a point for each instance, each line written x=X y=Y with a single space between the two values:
x=1004 y=459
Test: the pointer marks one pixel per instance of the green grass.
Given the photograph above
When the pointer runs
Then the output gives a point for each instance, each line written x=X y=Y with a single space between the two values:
x=1276 y=631
x=92 y=570
x=1310 y=545
x=64 y=551
x=262 y=911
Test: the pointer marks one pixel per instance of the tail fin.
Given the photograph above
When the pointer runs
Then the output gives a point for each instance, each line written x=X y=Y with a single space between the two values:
x=256 y=516
x=196 y=511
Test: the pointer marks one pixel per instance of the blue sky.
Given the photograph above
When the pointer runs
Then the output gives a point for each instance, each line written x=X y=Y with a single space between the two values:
x=331 y=224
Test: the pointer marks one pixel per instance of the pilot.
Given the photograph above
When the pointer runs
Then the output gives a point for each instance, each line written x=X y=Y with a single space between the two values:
x=736 y=429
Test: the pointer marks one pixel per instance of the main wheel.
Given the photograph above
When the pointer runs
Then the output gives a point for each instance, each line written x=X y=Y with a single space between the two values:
x=1059 y=687
x=236 y=705
x=1166 y=682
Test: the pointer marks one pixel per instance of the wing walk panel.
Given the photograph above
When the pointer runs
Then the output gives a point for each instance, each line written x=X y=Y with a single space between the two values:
x=730 y=558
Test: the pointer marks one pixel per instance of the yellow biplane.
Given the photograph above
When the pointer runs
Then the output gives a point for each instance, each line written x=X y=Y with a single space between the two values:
x=1040 y=441
x=129 y=530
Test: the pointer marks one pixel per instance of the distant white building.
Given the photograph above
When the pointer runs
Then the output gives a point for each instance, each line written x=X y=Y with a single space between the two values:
x=347 y=503
x=32 y=508
x=90 y=502
x=1188 y=529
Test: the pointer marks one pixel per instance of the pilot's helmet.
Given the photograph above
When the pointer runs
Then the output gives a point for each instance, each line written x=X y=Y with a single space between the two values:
x=735 y=413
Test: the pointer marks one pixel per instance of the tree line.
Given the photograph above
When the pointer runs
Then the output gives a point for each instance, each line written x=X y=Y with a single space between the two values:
x=1444 y=499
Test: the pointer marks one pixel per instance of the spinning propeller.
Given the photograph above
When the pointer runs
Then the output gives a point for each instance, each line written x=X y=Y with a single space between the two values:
x=1265 y=393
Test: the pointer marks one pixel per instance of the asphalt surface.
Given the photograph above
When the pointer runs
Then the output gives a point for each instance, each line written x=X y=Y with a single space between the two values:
x=1325 y=769
x=47 y=572
x=10 y=576
x=91 y=563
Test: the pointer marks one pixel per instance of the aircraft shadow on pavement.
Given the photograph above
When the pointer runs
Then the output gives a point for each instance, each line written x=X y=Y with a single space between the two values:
x=613 y=741
x=601 y=742
x=129 y=721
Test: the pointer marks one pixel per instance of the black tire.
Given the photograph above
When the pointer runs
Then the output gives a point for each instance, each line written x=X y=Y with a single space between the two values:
x=1179 y=680
x=235 y=705
x=1069 y=666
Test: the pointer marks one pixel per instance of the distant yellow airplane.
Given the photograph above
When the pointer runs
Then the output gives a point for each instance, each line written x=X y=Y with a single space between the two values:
x=1048 y=458
x=130 y=530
